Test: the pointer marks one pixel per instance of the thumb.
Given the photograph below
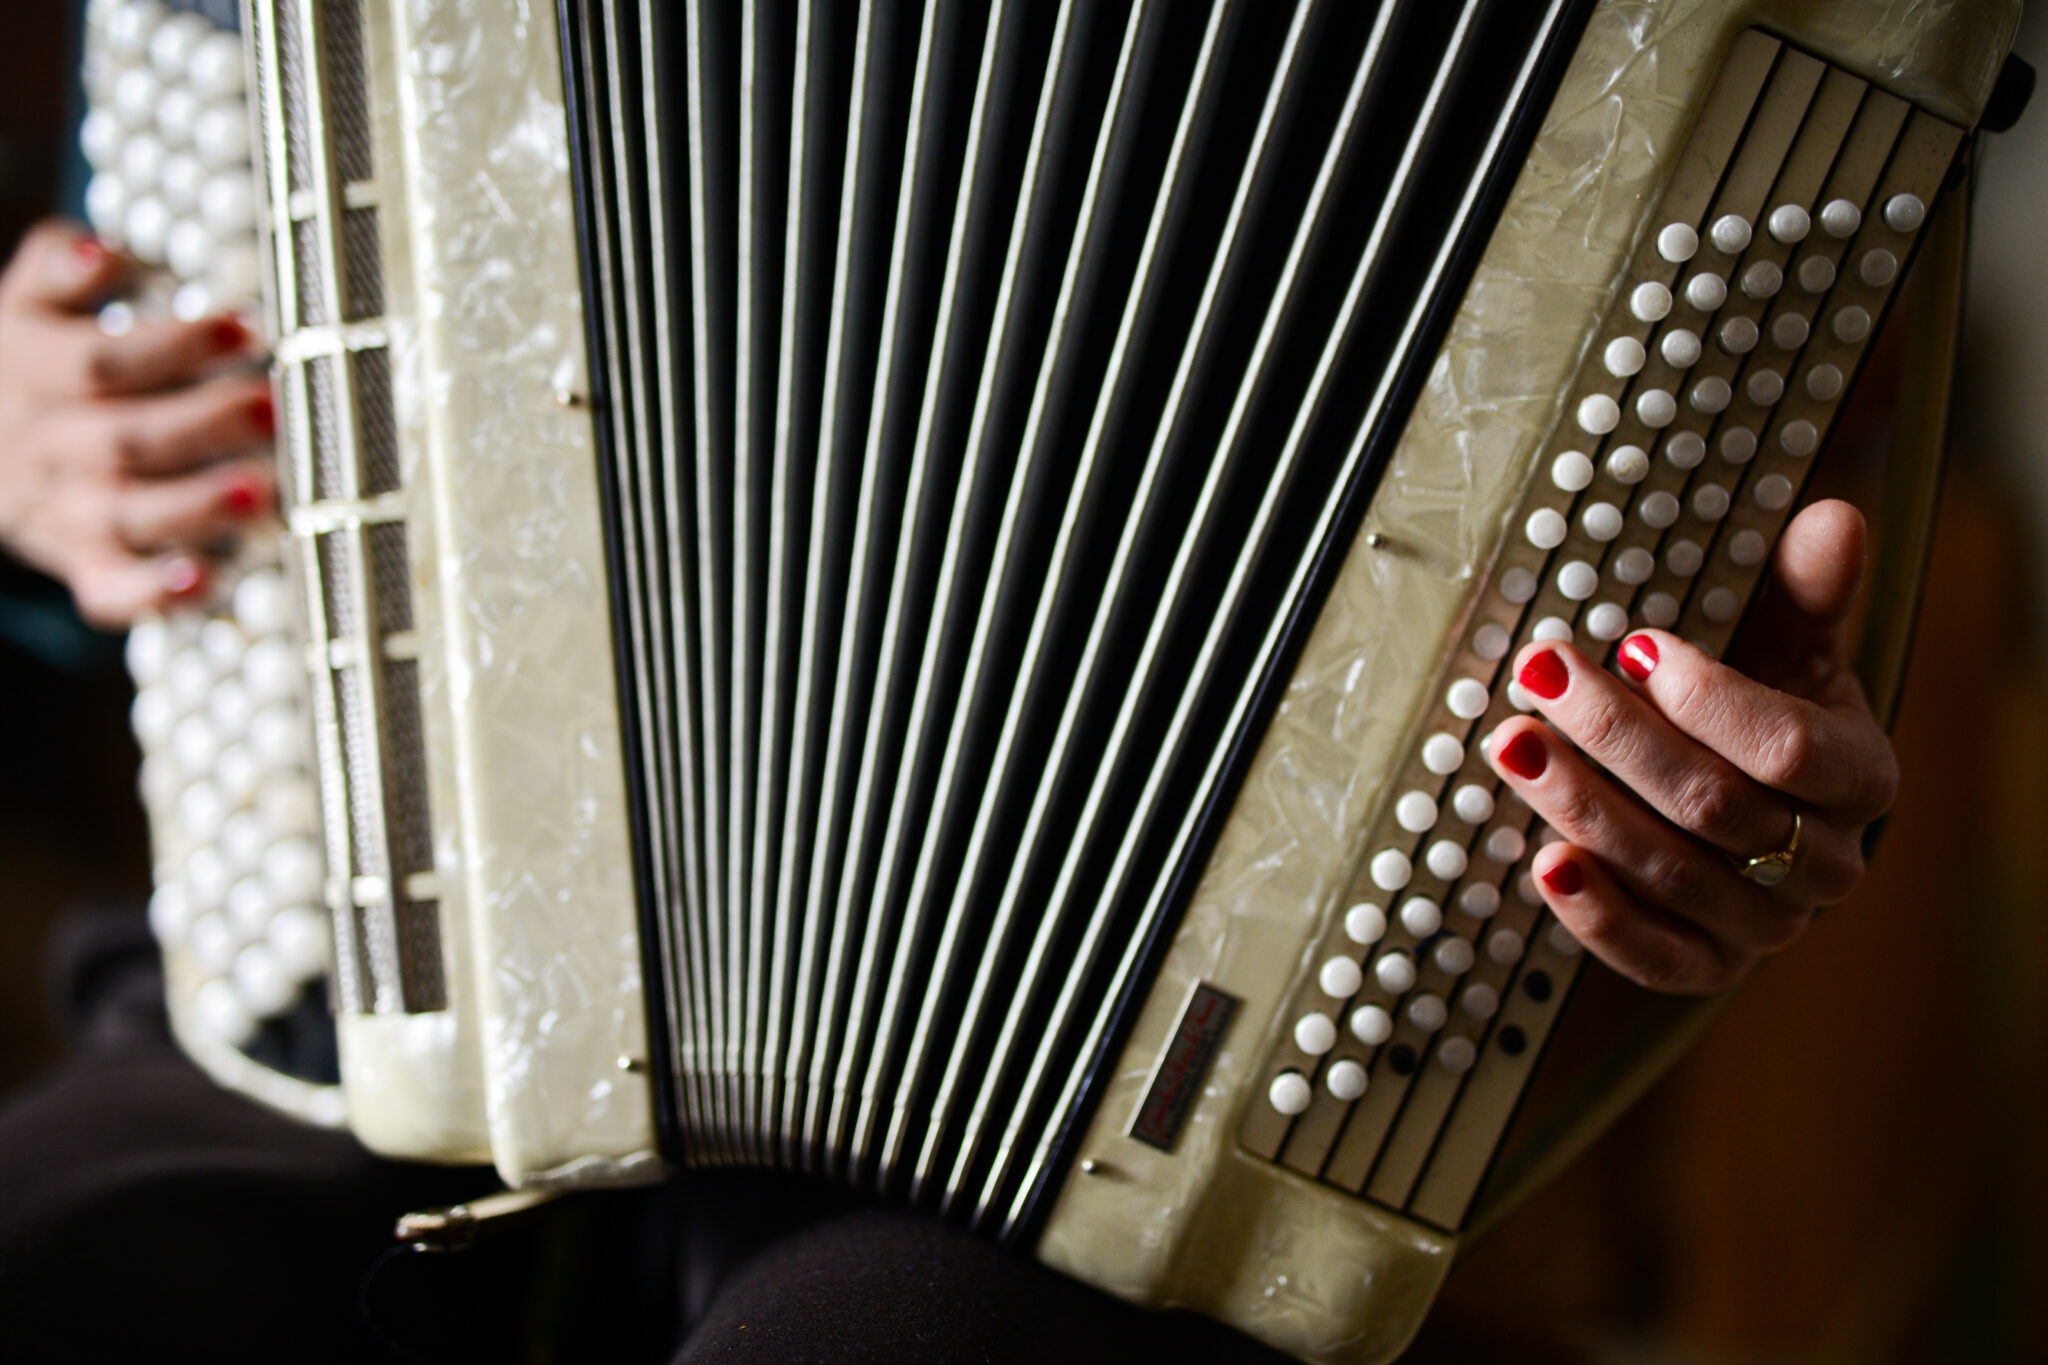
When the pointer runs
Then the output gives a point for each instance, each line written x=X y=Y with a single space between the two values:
x=1801 y=623
x=61 y=265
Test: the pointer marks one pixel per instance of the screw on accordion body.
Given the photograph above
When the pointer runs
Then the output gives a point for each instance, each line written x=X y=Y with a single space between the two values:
x=909 y=592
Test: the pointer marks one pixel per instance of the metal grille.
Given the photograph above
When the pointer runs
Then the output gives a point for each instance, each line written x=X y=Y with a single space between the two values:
x=344 y=473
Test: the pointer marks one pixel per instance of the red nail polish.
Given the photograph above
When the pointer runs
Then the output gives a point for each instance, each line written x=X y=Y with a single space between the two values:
x=184 y=576
x=242 y=497
x=1525 y=756
x=228 y=335
x=1545 y=675
x=1637 y=656
x=1565 y=879
x=89 y=253
x=263 y=415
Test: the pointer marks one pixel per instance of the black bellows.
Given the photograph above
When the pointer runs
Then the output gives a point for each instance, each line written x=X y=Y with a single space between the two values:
x=986 y=395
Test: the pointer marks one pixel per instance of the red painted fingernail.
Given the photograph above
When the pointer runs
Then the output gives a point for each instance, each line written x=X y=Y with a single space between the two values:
x=242 y=497
x=1565 y=878
x=228 y=335
x=184 y=576
x=1525 y=756
x=1637 y=656
x=91 y=255
x=263 y=415
x=1545 y=675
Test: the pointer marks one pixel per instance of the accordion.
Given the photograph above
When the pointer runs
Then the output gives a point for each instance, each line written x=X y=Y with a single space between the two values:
x=908 y=592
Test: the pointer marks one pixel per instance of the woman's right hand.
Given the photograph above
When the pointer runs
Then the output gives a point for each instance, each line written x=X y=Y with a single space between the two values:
x=123 y=459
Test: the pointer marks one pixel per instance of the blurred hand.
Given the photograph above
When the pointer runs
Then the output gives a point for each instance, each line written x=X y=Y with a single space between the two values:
x=121 y=460
x=1701 y=767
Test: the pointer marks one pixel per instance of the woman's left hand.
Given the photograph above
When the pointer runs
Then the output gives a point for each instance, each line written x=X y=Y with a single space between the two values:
x=1691 y=768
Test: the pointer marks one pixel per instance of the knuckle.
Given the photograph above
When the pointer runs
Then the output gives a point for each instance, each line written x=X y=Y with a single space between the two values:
x=1668 y=965
x=1711 y=806
x=1789 y=755
x=103 y=367
x=1574 y=810
x=1834 y=879
x=1602 y=727
x=1678 y=884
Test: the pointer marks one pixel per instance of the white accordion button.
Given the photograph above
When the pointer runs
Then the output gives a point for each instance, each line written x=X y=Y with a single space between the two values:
x=182 y=181
x=1421 y=916
x=1550 y=628
x=1851 y=325
x=1904 y=212
x=249 y=906
x=1684 y=557
x=1660 y=609
x=1442 y=754
x=193 y=744
x=216 y=68
x=243 y=837
x=1681 y=348
x=1372 y=1025
x=147 y=651
x=1765 y=387
x=1816 y=274
x=1341 y=978
x=1506 y=844
x=1878 y=267
x=1391 y=869
x=1677 y=243
x=1650 y=301
x=292 y=870
x=1602 y=521
x=1710 y=502
x=1519 y=699
x=298 y=935
x=147 y=228
x=1561 y=941
x=1415 y=811
x=1790 y=223
x=1738 y=445
x=1799 y=437
x=106 y=205
x=1738 y=336
x=260 y=604
x=1456 y=1055
x=1290 y=1093
x=1599 y=414
x=142 y=159
x=1315 y=1034
x=1773 y=492
x=1346 y=1080
x=152 y=716
x=212 y=943
x=1518 y=585
x=228 y=203
x=1446 y=860
x=1762 y=280
x=1467 y=699
x=220 y=1012
x=1571 y=471
x=1365 y=923
x=177 y=114
x=1578 y=580
x=188 y=247
x=1656 y=408
x=1824 y=382
x=1628 y=464
x=101 y=138
x=1395 y=972
x=1480 y=900
x=1711 y=394
x=1480 y=1000
x=1790 y=331
x=1473 y=803
x=1453 y=957
x=171 y=45
x=1747 y=549
x=1607 y=621
x=135 y=93
x=1719 y=606
x=170 y=912
x=1658 y=510
x=1840 y=218
x=1623 y=357
x=1427 y=1013
x=1729 y=234
x=1491 y=641
x=1634 y=565
x=220 y=136
x=1706 y=292
x=206 y=879
x=1504 y=946
x=264 y=985
x=1685 y=450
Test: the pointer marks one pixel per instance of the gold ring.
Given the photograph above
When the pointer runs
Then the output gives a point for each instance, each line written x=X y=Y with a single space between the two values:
x=1772 y=868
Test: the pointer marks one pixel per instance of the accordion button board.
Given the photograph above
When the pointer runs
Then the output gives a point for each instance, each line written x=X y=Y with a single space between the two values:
x=1705 y=394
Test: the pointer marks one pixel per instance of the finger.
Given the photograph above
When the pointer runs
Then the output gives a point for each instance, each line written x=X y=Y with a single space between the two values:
x=1835 y=759
x=148 y=358
x=157 y=437
x=1801 y=620
x=1645 y=854
x=192 y=511
x=1648 y=947
x=115 y=591
x=1688 y=783
x=61 y=265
